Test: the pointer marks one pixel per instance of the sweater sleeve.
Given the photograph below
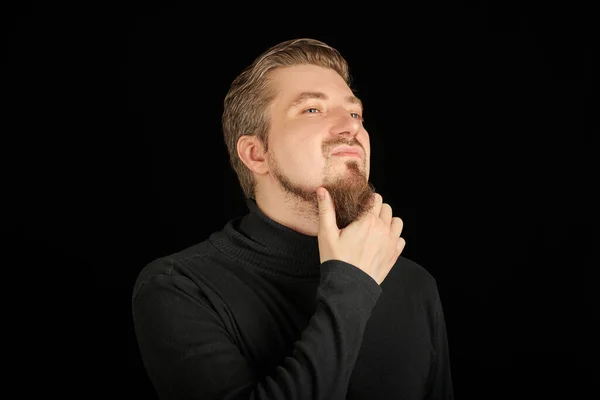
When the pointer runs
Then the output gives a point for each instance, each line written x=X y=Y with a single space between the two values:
x=440 y=379
x=188 y=353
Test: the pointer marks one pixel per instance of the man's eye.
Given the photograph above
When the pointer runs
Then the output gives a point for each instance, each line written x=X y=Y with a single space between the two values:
x=357 y=116
x=311 y=110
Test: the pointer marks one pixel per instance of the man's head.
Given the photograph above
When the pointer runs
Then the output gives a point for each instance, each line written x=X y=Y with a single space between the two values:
x=285 y=115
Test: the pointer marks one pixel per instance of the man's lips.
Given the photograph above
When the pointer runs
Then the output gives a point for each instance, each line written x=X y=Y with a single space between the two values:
x=347 y=152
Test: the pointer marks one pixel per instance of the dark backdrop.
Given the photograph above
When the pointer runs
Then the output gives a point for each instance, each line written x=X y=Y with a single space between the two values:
x=481 y=130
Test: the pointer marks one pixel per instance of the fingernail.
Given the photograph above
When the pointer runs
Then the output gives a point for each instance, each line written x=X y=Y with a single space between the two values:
x=321 y=194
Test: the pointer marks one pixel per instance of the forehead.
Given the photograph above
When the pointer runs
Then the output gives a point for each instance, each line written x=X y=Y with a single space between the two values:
x=288 y=82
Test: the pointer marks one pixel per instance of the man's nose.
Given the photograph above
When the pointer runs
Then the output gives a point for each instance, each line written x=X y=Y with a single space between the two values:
x=345 y=123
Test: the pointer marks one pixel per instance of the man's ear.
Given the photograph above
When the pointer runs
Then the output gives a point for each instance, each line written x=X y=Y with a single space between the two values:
x=251 y=151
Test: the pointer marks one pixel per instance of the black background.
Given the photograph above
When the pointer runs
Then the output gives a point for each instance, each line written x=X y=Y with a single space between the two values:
x=480 y=119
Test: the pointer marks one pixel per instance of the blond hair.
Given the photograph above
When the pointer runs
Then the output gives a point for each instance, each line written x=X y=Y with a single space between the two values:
x=247 y=101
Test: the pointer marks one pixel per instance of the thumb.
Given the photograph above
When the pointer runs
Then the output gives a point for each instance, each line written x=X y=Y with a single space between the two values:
x=327 y=222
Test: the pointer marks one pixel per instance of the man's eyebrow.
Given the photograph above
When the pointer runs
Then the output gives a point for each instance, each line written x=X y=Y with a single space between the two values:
x=354 y=100
x=304 y=96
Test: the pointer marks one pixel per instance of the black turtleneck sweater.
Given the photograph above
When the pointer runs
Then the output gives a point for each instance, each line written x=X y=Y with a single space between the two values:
x=251 y=313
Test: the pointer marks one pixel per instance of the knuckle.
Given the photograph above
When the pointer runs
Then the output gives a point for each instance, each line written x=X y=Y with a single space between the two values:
x=400 y=245
x=368 y=220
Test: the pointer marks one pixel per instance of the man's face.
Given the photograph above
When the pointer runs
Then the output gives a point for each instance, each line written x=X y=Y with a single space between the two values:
x=313 y=113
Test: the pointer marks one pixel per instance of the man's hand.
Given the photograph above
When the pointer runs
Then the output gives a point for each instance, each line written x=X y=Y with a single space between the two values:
x=371 y=243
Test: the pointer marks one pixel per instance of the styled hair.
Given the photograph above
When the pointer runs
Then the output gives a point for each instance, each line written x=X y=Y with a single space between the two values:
x=247 y=101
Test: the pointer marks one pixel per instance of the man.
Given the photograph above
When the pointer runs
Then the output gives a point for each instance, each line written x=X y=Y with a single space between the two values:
x=303 y=297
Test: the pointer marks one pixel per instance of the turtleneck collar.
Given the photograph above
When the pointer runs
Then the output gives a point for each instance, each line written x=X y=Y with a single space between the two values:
x=258 y=241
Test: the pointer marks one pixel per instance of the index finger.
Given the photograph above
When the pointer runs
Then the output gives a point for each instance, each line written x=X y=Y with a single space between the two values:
x=377 y=202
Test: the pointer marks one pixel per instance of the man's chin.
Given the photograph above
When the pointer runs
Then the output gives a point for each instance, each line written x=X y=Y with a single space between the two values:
x=351 y=202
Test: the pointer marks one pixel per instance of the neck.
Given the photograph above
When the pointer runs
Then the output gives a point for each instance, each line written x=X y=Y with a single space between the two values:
x=300 y=215
x=257 y=241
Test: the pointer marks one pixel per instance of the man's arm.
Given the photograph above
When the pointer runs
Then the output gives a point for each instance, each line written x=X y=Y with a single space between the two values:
x=189 y=354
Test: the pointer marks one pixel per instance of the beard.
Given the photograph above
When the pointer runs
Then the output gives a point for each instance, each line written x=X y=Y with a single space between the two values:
x=351 y=192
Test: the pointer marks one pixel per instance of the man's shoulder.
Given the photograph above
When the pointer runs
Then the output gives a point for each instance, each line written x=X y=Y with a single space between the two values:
x=173 y=264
